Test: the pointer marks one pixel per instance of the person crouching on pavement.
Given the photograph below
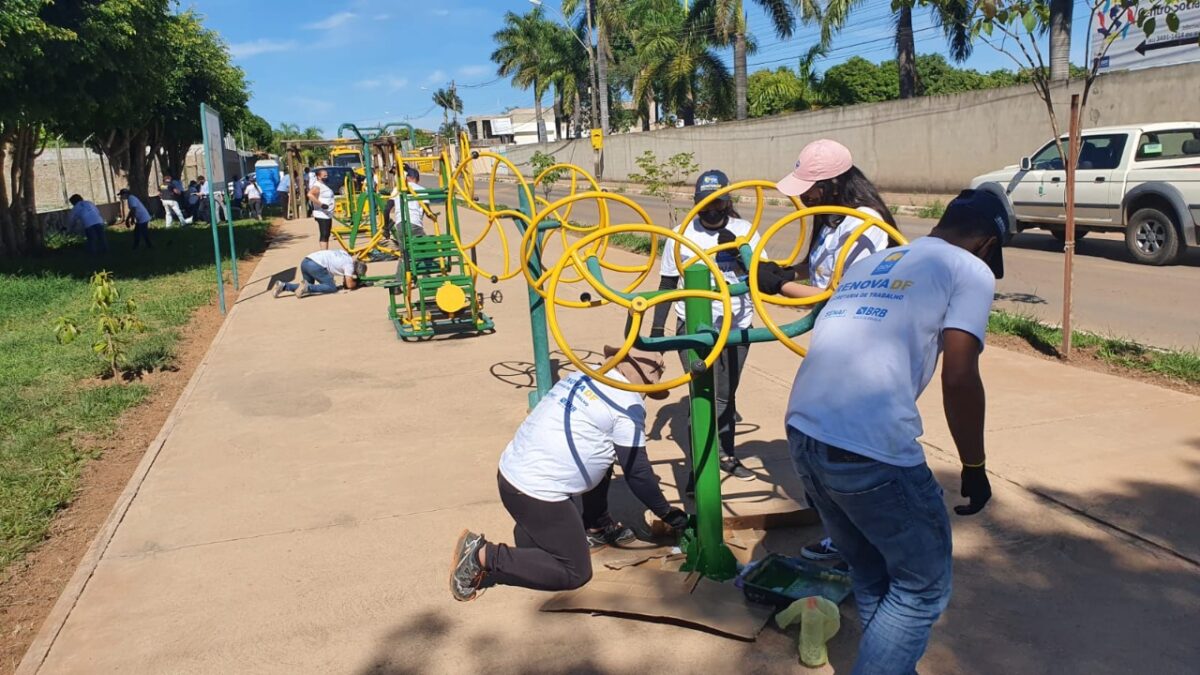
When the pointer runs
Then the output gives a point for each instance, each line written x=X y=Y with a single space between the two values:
x=567 y=447
x=318 y=270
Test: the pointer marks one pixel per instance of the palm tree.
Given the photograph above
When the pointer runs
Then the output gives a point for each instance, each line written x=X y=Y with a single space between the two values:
x=606 y=18
x=565 y=70
x=1060 y=39
x=952 y=15
x=449 y=101
x=676 y=61
x=523 y=44
x=726 y=20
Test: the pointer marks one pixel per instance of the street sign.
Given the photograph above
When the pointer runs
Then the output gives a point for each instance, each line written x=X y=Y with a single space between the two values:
x=214 y=166
x=214 y=146
x=597 y=139
x=1131 y=49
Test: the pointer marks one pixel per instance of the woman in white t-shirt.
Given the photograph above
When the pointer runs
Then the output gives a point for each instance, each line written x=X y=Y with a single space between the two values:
x=321 y=197
x=825 y=175
x=717 y=223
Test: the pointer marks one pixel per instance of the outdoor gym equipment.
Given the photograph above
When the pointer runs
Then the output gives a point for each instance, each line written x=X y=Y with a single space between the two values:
x=703 y=284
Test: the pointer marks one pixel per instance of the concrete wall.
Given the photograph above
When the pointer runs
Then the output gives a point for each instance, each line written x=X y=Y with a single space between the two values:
x=931 y=144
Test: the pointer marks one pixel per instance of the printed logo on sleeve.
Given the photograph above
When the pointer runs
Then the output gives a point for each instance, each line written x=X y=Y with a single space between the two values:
x=889 y=261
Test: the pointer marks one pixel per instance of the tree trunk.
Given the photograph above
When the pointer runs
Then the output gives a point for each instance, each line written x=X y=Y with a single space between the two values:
x=577 y=115
x=602 y=76
x=537 y=115
x=20 y=231
x=558 y=114
x=906 y=52
x=592 y=71
x=1060 y=39
x=739 y=71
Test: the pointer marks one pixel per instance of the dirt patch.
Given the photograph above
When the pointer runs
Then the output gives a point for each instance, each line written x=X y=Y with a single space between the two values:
x=1087 y=357
x=30 y=587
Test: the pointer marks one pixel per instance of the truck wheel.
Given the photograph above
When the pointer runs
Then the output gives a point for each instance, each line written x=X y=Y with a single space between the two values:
x=1151 y=237
x=1061 y=235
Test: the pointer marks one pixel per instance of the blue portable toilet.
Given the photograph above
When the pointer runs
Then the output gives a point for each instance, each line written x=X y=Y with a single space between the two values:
x=267 y=173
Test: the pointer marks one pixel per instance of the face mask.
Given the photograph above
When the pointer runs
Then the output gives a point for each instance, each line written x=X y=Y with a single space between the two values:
x=712 y=218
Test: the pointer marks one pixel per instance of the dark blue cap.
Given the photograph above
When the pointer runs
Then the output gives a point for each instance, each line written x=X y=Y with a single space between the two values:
x=709 y=182
x=984 y=212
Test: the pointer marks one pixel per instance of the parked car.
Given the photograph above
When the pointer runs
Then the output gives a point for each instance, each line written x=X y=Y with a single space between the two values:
x=1143 y=180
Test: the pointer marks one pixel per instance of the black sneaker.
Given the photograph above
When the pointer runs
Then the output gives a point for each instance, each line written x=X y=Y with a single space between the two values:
x=821 y=550
x=466 y=573
x=612 y=534
x=733 y=466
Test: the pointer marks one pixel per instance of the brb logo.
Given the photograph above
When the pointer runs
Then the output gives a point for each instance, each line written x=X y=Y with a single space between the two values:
x=888 y=263
x=868 y=312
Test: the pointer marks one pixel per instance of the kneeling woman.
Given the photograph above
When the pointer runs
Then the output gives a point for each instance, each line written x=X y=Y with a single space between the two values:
x=566 y=448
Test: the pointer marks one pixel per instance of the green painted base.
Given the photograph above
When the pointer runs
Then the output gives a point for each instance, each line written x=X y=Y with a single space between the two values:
x=717 y=563
x=443 y=327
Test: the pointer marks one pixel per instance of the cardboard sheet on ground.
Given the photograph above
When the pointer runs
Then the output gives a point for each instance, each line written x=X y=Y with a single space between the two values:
x=657 y=595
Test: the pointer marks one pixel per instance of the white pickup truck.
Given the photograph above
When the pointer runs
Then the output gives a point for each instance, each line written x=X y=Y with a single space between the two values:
x=1142 y=180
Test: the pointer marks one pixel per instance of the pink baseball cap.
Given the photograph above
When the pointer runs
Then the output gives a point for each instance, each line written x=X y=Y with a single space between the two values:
x=819 y=160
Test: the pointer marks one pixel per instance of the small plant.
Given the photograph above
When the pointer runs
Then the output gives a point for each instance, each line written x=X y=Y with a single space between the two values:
x=658 y=177
x=620 y=189
x=894 y=209
x=771 y=201
x=736 y=199
x=539 y=163
x=112 y=323
x=934 y=210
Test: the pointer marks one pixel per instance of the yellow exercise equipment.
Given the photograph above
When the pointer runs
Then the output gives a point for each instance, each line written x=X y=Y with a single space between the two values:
x=755 y=220
x=761 y=301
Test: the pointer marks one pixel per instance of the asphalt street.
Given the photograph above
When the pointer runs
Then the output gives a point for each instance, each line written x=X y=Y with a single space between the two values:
x=1113 y=295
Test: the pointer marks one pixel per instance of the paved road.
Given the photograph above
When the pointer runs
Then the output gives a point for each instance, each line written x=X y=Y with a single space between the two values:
x=1113 y=295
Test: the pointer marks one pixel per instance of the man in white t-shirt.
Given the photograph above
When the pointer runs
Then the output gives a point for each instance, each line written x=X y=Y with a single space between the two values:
x=254 y=196
x=416 y=214
x=718 y=223
x=318 y=270
x=853 y=424
x=565 y=448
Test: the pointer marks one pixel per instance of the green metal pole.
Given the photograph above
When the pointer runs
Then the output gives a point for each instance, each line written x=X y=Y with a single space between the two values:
x=704 y=543
x=232 y=246
x=543 y=374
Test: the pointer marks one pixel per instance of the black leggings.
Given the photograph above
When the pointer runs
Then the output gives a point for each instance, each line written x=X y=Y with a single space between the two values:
x=552 y=550
x=727 y=373
x=324 y=226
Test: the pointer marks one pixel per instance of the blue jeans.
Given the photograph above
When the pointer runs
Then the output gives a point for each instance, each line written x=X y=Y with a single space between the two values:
x=96 y=243
x=890 y=525
x=318 y=278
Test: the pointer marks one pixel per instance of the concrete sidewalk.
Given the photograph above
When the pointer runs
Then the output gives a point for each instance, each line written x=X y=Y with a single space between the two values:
x=300 y=511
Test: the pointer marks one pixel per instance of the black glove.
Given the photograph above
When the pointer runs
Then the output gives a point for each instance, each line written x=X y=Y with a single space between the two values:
x=975 y=487
x=772 y=277
x=676 y=518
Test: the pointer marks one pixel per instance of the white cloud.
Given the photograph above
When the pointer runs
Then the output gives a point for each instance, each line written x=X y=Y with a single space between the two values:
x=436 y=77
x=311 y=106
x=381 y=17
x=241 y=50
x=336 y=21
x=474 y=70
x=440 y=12
x=390 y=83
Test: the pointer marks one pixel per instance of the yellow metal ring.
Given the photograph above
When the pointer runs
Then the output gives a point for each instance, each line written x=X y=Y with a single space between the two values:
x=755 y=221
x=760 y=300
x=721 y=294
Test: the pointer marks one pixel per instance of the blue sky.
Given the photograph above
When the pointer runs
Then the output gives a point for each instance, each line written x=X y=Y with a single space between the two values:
x=365 y=61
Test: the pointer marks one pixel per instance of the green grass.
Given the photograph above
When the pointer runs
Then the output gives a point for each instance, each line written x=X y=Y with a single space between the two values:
x=51 y=397
x=933 y=211
x=634 y=242
x=1179 y=365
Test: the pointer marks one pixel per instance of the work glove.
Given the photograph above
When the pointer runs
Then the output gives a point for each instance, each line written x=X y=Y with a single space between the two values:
x=772 y=277
x=677 y=519
x=976 y=488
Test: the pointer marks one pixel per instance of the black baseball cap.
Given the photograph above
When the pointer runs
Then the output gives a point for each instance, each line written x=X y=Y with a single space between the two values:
x=709 y=182
x=984 y=214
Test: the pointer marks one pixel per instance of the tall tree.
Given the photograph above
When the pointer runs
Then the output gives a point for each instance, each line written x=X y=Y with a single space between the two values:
x=449 y=101
x=522 y=45
x=952 y=15
x=565 y=69
x=607 y=19
x=1060 y=39
x=726 y=19
x=676 y=59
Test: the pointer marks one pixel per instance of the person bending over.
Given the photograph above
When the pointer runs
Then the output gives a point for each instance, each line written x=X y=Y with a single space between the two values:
x=567 y=447
x=853 y=423
x=318 y=270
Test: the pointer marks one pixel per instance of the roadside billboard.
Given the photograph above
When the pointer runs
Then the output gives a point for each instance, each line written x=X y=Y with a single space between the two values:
x=1132 y=49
